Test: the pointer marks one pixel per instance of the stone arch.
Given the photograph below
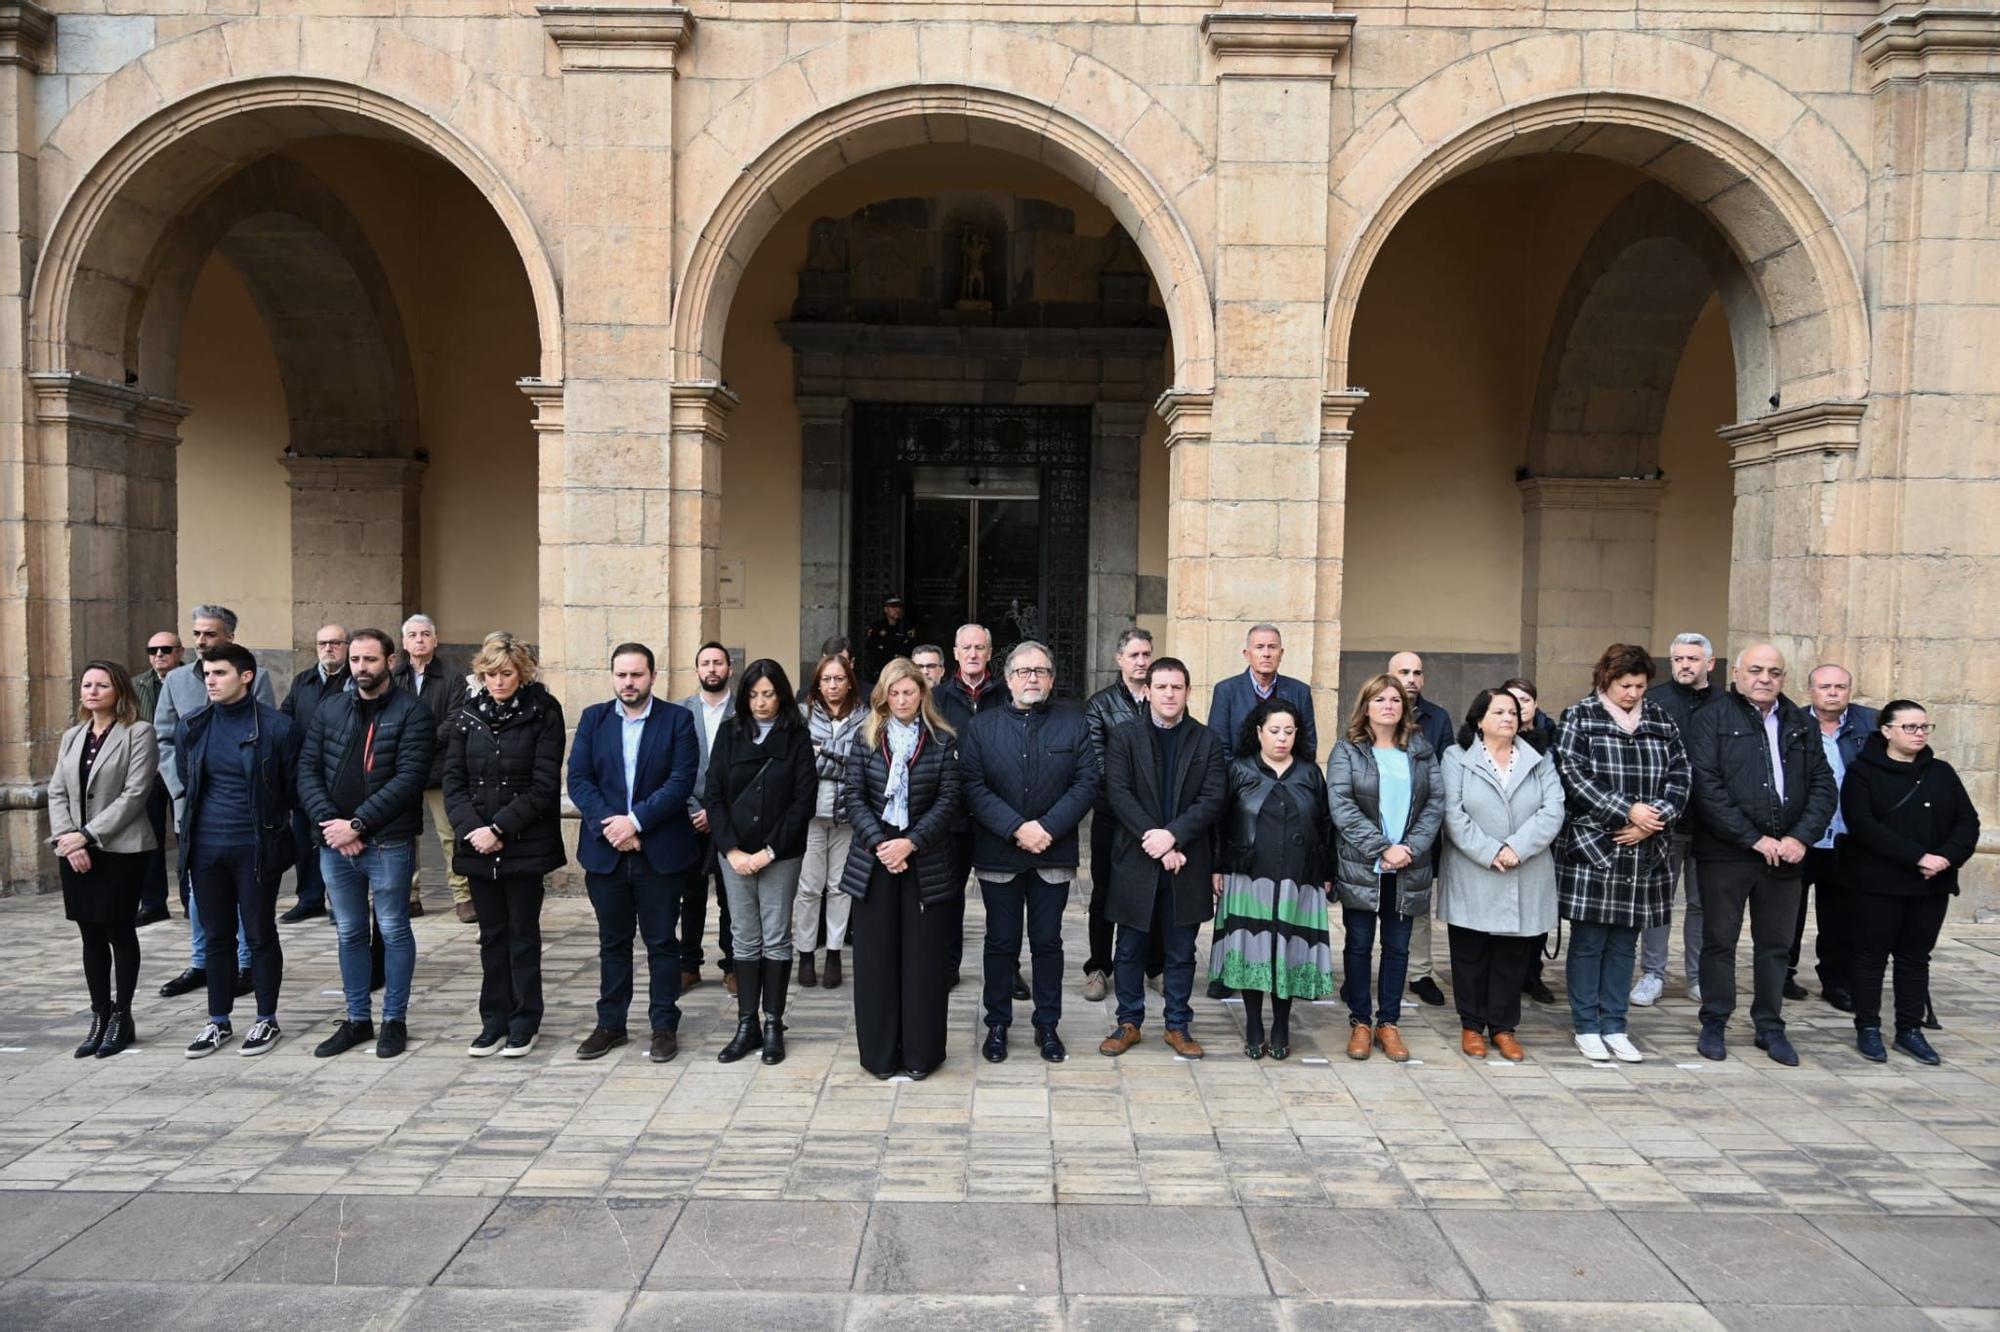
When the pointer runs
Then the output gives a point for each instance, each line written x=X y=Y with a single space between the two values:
x=90 y=286
x=326 y=303
x=1068 y=112
x=1620 y=330
x=1729 y=140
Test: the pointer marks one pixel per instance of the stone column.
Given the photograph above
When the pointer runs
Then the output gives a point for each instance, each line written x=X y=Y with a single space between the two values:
x=1187 y=415
x=1586 y=575
x=694 y=613
x=1116 y=428
x=825 y=536
x=1335 y=434
x=1253 y=492
x=606 y=489
x=356 y=544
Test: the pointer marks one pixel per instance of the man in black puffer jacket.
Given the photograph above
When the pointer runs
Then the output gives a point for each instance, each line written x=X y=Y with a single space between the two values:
x=1763 y=793
x=362 y=772
x=1028 y=778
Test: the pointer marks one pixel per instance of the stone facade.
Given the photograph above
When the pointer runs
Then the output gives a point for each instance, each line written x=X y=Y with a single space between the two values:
x=1846 y=155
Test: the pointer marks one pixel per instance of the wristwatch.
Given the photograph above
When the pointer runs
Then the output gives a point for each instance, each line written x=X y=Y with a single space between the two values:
x=360 y=828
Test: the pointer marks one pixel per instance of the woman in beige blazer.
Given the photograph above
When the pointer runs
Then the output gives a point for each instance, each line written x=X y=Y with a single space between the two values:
x=100 y=833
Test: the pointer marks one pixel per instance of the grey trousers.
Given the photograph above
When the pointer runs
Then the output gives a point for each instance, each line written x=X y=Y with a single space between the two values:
x=1653 y=942
x=760 y=909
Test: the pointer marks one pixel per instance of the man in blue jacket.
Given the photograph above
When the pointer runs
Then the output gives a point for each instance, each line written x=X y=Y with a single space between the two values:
x=235 y=762
x=631 y=769
x=1844 y=726
x=1029 y=778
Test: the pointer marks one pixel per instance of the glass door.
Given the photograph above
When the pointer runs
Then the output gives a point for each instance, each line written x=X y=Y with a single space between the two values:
x=973 y=549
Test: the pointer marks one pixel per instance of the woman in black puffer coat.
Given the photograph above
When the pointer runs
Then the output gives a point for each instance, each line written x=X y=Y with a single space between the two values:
x=503 y=794
x=1910 y=826
x=901 y=796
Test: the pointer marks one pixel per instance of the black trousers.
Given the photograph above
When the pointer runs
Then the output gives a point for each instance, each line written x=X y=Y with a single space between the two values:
x=635 y=898
x=694 y=912
x=1487 y=971
x=900 y=977
x=311 y=886
x=224 y=886
x=1822 y=880
x=153 y=883
x=1729 y=889
x=1103 y=957
x=1886 y=924
x=1008 y=902
x=510 y=953
x=961 y=867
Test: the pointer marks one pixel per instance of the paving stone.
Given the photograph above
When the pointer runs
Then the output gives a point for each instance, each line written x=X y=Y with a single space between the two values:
x=761 y=1246
x=710 y=1312
x=1559 y=1256
x=1117 y=1313
x=1932 y=1260
x=449 y=1309
x=1314 y=1254
x=971 y=1247
x=1155 y=1250
x=1593 y=1316
x=56 y=1305
x=1766 y=1259
x=174 y=1237
x=34 y=1225
x=1824 y=1318
x=363 y=1239
x=1389 y=1316
x=955 y=1313
x=564 y=1244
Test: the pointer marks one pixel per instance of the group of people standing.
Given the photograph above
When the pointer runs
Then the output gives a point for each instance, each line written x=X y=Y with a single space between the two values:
x=867 y=815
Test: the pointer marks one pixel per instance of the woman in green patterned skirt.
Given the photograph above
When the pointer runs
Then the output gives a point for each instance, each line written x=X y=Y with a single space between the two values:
x=1277 y=844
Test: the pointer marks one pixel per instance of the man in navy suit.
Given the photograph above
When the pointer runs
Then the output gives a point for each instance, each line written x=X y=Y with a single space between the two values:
x=1238 y=696
x=631 y=768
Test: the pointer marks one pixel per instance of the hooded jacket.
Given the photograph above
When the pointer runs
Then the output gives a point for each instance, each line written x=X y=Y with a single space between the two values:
x=1896 y=814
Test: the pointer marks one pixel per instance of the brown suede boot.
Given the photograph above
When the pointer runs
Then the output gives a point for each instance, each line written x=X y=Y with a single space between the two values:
x=1360 y=1040
x=1391 y=1042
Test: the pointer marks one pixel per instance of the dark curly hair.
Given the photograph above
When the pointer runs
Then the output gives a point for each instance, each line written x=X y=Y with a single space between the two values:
x=1620 y=660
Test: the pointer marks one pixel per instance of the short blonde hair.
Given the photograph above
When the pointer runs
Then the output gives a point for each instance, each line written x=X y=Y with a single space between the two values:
x=501 y=648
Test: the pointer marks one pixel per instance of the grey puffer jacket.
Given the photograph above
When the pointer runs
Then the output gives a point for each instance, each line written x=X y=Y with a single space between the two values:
x=1354 y=795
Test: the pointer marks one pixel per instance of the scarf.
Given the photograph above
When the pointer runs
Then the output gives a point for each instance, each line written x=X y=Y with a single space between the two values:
x=497 y=714
x=1628 y=722
x=903 y=737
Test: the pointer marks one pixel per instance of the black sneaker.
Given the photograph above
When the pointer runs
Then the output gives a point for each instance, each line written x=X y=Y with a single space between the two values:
x=519 y=1047
x=302 y=911
x=345 y=1037
x=1426 y=989
x=394 y=1039
x=213 y=1037
x=487 y=1043
x=263 y=1035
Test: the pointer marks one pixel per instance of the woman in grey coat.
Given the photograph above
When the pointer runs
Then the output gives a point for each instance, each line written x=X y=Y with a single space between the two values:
x=1503 y=806
x=1388 y=806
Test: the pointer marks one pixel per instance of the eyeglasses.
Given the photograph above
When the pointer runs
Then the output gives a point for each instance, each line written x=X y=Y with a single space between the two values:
x=159 y=651
x=1916 y=728
x=1033 y=673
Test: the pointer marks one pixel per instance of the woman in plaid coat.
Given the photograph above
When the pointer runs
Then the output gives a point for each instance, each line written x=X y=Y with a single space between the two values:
x=1625 y=779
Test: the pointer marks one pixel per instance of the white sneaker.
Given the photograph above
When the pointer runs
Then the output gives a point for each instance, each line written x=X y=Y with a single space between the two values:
x=1694 y=991
x=1622 y=1049
x=1648 y=991
x=1592 y=1046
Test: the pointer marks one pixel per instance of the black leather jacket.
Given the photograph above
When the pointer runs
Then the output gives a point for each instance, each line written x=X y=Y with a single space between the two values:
x=1107 y=710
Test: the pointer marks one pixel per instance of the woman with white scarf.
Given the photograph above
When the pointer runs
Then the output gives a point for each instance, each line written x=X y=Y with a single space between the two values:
x=901 y=794
x=833 y=717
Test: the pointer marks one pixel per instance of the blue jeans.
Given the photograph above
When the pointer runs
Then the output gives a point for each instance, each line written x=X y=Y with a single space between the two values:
x=1359 y=953
x=386 y=869
x=1130 y=955
x=198 y=937
x=1599 y=973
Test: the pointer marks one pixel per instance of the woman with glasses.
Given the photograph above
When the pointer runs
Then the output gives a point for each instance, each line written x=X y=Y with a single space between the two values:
x=833 y=718
x=1910 y=827
x=101 y=836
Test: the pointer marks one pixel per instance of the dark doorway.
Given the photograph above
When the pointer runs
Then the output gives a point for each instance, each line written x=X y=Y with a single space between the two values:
x=976 y=514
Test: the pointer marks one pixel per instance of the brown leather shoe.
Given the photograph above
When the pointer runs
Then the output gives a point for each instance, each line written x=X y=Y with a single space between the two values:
x=665 y=1046
x=1121 y=1040
x=1509 y=1048
x=1472 y=1043
x=601 y=1041
x=1360 y=1040
x=1391 y=1042
x=467 y=913
x=1184 y=1045
x=689 y=979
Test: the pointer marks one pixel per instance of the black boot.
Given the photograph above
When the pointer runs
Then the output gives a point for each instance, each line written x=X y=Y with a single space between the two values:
x=749 y=980
x=777 y=980
x=98 y=1022
x=119 y=1033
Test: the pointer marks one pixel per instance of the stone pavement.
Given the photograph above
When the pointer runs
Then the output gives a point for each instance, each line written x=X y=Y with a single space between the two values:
x=440 y=1191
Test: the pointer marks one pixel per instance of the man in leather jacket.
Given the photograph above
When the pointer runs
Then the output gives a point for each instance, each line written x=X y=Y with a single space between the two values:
x=1123 y=700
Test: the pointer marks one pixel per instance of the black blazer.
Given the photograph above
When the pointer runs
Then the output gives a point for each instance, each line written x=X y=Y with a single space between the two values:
x=761 y=795
x=1200 y=781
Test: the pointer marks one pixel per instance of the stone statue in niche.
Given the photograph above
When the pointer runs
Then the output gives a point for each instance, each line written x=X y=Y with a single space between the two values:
x=972 y=289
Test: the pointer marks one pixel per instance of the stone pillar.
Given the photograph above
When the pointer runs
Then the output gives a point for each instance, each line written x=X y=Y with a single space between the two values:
x=1116 y=428
x=694 y=613
x=1253 y=492
x=1335 y=435
x=606 y=487
x=1187 y=415
x=825 y=534
x=356 y=544
x=1586 y=575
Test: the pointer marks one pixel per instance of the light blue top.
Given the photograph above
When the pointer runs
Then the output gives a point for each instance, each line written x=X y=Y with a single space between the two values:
x=1394 y=766
x=633 y=731
x=1831 y=744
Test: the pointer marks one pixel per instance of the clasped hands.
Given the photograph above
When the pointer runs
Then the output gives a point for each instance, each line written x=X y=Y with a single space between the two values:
x=74 y=847
x=1641 y=821
x=623 y=834
x=1159 y=844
